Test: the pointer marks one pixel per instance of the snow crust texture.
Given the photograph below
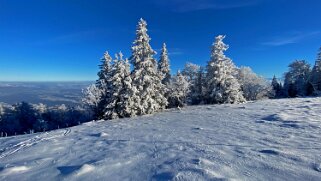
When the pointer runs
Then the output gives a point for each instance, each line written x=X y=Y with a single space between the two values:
x=264 y=140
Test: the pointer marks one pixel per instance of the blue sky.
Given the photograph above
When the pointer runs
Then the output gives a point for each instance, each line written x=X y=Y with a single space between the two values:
x=49 y=40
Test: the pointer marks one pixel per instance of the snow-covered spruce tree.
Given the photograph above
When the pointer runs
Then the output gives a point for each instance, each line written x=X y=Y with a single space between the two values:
x=277 y=87
x=125 y=105
x=296 y=79
x=1 y=109
x=222 y=85
x=147 y=86
x=163 y=66
x=253 y=86
x=40 y=108
x=92 y=98
x=104 y=84
x=120 y=104
x=179 y=88
x=164 y=70
x=199 y=87
x=315 y=78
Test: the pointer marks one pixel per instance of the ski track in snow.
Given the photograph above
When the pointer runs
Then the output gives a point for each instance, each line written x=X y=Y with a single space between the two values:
x=30 y=142
x=263 y=140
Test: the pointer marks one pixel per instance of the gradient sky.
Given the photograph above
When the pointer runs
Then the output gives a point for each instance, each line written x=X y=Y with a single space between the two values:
x=51 y=40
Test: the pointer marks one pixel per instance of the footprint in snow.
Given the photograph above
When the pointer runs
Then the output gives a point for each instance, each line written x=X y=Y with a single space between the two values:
x=273 y=117
x=196 y=161
x=290 y=125
x=102 y=134
x=317 y=167
x=270 y=152
x=76 y=170
x=164 y=176
x=66 y=170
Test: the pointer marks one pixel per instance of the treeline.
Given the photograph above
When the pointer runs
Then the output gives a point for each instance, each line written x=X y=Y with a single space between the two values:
x=25 y=118
x=300 y=80
x=149 y=87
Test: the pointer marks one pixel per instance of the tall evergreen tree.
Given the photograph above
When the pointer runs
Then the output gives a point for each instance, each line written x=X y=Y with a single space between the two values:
x=222 y=85
x=315 y=78
x=164 y=70
x=277 y=87
x=275 y=84
x=116 y=79
x=296 y=79
x=120 y=103
x=104 y=84
x=92 y=98
x=200 y=87
x=147 y=86
x=125 y=104
x=163 y=66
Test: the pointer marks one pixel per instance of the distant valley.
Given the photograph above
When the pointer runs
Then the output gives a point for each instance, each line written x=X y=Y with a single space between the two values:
x=49 y=93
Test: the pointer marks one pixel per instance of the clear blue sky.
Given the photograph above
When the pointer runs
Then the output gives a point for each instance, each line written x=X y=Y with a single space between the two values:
x=64 y=39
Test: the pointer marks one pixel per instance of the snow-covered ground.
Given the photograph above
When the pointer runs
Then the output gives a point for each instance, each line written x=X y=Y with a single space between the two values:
x=265 y=140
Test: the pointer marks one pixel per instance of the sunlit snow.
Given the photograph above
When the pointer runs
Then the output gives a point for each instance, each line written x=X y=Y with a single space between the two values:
x=264 y=140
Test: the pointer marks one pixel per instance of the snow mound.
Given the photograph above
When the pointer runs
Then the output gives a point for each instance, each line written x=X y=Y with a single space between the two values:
x=85 y=169
x=103 y=134
x=13 y=170
x=317 y=167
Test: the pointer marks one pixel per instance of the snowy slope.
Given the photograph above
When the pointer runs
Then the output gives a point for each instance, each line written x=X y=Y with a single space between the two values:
x=265 y=140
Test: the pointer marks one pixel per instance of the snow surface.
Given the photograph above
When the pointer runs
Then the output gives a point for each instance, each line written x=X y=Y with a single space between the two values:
x=264 y=140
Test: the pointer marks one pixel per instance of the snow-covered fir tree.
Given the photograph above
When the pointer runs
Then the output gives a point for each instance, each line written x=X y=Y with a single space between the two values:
x=125 y=104
x=147 y=86
x=275 y=83
x=164 y=70
x=199 y=88
x=104 y=84
x=163 y=65
x=222 y=85
x=179 y=88
x=40 y=108
x=315 y=78
x=277 y=87
x=1 y=110
x=91 y=98
x=296 y=79
x=120 y=102
x=62 y=108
